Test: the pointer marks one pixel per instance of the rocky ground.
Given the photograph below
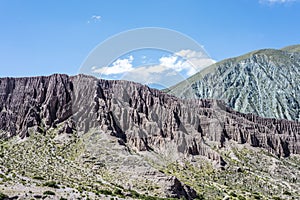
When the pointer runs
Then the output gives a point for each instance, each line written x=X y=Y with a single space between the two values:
x=96 y=166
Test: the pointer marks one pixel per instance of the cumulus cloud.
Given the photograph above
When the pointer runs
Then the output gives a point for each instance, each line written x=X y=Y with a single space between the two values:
x=168 y=71
x=185 y=60
x=175 y=63
x=195 y=60
x=120 y=66
x=171 y=69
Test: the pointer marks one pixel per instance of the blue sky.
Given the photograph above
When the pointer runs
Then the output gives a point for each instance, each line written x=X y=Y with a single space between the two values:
x=45 y=37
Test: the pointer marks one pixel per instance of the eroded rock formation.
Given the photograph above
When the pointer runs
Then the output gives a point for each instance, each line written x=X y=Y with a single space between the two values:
x=143 y=118
x=263 y=82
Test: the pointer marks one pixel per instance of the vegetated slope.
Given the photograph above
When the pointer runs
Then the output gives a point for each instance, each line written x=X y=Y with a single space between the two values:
x=263 y=82
x=83 y=137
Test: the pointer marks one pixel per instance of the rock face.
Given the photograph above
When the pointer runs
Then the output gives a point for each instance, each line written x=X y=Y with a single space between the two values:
x=264 y=82
x=142 y=118
x=34 y=102
x=139 y=118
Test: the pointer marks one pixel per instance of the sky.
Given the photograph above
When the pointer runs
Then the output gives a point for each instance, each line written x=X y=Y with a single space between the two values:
x=46 y=37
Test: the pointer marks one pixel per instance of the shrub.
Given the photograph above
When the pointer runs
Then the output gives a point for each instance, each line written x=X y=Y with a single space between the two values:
x=38 y=178
x=118 y=192
x=105 y=192
x=51 y=184
x=135 y=194
x=233 y=194
x=3 y=196
x=49 y=193
x=241 y=197
x=149 y=198
x=287 y=193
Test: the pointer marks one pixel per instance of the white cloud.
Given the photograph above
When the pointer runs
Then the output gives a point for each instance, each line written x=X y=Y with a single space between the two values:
x=189 y=60
x=155 y=74
x=276 y=1
x=94 y=18
x=187 y=53
x=168 y=71
x=173 y=67
x=120 y=66
x=175 y=63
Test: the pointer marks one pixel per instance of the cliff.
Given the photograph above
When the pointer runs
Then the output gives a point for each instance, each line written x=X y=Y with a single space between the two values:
x=142 y=118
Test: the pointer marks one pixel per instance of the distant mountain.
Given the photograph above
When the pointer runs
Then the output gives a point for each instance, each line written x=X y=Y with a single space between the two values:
x=264 y=82
x=78 y=137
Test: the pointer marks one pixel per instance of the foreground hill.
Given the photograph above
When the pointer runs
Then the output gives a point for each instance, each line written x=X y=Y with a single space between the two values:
x=81 y=137
x=263 y=82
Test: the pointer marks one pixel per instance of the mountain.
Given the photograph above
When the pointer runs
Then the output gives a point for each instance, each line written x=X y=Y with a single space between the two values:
x=263 y=82
x=82 y=137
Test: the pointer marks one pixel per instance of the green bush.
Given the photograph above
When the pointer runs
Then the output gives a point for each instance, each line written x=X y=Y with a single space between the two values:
x=3 y=196
x=149 y=198
x=135 y=194
x=233 y=194
x=51 y=184
x=105 y=192
x=118 y=192
x=276 y=198
x=200 y=197
x=257 y=197
x=49 y=193
x=38 y=178
x=241 y=197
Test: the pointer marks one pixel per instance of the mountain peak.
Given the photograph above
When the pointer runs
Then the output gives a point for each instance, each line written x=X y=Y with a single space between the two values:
x=264 y=82
x=292 y=48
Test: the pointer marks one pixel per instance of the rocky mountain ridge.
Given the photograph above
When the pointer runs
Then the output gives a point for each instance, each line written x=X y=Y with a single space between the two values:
x=140 y=119
x=138 y=115
x=263 y=82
